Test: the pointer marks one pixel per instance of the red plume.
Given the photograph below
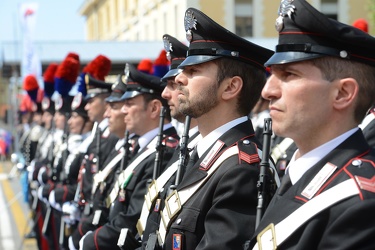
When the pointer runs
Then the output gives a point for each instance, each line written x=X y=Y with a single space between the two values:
x=73 y=55
x=68 y=70
x=30 y=83
x=361 y=24
x=162 y=58
x=49 y=74
x=100 y=67
x=145 y=65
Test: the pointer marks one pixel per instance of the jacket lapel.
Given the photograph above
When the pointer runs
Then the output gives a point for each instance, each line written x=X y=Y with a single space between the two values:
x=283 y=205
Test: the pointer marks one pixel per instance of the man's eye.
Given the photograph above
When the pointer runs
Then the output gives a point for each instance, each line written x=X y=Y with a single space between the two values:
x=192 y=70
x=287 y=74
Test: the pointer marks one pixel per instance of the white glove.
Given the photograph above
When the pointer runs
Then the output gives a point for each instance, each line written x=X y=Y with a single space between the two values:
x=52 y=201
x=82 y=239
x=71 y=213
x=70 y=244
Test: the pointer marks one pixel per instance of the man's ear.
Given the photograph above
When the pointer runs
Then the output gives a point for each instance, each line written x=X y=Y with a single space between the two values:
x=347 y=92
x=155 y=107
x=232 y=87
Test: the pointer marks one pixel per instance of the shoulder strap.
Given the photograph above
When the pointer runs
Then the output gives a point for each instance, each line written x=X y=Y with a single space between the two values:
x=176 y=200
x=273 y=235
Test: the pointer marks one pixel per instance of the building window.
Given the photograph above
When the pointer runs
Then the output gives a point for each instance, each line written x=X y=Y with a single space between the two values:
x=329 y=8
x=243 y=18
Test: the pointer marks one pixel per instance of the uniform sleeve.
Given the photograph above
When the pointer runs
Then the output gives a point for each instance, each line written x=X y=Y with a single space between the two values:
x=106 y=237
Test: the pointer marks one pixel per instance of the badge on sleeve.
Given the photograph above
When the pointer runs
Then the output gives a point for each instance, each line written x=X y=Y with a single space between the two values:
x=177 y=242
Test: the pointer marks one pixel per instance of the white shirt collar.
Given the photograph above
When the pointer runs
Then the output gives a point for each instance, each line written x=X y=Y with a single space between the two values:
x=192 y=131
x=119 y=144
x=146 y=138
x=297 y=168
x=212 y=137
x=103 y=124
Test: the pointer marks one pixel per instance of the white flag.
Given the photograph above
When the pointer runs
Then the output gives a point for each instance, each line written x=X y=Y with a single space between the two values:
x=30 y=60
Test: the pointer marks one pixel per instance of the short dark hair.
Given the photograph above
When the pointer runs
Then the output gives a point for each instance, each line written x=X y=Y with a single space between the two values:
x=253 y=79
x=333 y=68
x=149 y=97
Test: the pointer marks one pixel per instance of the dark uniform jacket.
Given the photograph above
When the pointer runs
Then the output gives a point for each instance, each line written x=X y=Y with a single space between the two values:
x=125 y=214
x=107 y=143
x=349 y=224
x=221 y=214
x=153 y=220
x=98 y=201
x=65 y=190
x=369 y=130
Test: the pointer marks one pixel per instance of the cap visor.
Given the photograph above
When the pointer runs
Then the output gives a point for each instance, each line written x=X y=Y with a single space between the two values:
x=289 y=57
x=198 y=59
x=89 y=96
x=129 y=94
x=171 y=73
x=113 y=99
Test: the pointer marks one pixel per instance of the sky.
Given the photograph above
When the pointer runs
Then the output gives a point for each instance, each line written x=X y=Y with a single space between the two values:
x=57 y=20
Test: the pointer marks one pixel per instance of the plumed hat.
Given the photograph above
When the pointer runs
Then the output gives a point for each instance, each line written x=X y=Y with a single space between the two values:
x=161 y=64
x=145 y=66
x=91 y=80
x=49 y=88
x=66 y=75
x=31 y=86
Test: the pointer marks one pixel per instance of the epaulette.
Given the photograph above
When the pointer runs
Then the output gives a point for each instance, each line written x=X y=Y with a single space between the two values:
x=363 y=172
x=248 y=151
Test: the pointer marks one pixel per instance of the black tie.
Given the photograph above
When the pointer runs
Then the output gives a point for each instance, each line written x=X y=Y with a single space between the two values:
x=135 y=147
x=285 y=184
x=193 y=159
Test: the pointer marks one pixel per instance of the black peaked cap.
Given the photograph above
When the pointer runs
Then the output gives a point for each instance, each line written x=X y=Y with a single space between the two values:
x=209 y=41
x=140 y=83
x=118 y=89
x=176 y=54
x=305 y=33
x=95 y=86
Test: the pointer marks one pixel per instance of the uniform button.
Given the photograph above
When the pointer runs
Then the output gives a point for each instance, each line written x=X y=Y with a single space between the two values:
x=161 y=190
x=178 y=221
x=246 y=142
x=357 y=163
